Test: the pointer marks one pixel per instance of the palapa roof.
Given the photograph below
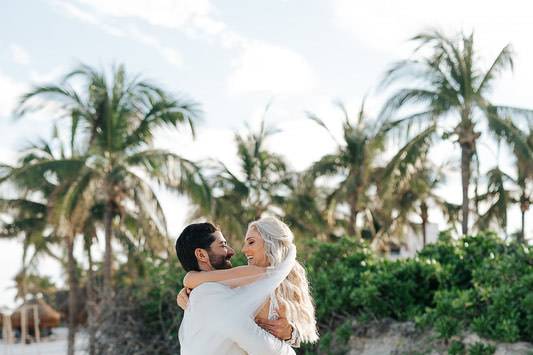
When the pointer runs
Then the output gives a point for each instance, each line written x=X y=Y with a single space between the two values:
x=48 y=317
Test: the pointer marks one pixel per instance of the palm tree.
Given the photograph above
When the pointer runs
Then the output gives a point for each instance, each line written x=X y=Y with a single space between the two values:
x=498 y=198
x=450 y=86
x=355 y=163
x=303 y=208
x=33 y=284
x=43 y=176
x=27 y=218
x=521 y=142
x=116 y=120
x=259 y=186
x=407 y=184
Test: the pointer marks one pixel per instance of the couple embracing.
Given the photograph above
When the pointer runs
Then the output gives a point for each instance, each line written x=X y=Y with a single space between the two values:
x=262 y=308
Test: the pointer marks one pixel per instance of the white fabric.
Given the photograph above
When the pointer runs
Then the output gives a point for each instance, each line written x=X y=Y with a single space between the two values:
x=220 y=320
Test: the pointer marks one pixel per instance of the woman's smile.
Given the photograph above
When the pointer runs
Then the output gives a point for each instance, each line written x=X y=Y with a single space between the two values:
x=254 y=248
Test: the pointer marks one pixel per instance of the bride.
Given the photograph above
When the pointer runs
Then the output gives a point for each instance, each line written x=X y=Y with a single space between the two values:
x=272 y=285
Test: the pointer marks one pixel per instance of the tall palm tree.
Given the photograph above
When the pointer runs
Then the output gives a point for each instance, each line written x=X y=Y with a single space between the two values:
x=450 y=87
x=44 y=180
x=260 y=185
x=116 y=120
x=354 y=162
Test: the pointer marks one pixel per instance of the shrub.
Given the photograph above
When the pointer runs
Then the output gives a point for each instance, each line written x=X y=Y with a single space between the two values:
x=144 y=317
x=481 y=349
x=456 y=348
x=478 y=282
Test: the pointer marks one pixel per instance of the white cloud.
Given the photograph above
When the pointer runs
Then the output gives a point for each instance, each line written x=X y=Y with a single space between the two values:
x=10 y=90
x=48 y=76
x=19 y=54
x=386 y=25
x=171 y=55
x=260 y=67
x=165 y=13
x=76 y=12
x=263 y=67
x=210 y=143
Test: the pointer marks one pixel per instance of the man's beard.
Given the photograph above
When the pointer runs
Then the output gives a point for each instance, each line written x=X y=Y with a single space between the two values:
x=219 y=262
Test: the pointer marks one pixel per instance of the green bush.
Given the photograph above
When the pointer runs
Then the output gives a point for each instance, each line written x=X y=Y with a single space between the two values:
x=335 y=271
x=478 y=283
x=144 y=317
x=456 y=348
x=481 y=349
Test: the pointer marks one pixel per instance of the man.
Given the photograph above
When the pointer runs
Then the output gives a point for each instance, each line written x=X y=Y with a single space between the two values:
x=202 y=247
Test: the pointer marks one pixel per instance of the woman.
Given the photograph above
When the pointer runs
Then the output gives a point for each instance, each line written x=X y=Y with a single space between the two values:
x=268 y=244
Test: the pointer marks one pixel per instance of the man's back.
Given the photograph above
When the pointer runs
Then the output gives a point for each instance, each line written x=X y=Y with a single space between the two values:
x=202 y=328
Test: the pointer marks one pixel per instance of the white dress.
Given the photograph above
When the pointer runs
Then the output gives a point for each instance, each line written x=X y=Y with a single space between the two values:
x=219 y=320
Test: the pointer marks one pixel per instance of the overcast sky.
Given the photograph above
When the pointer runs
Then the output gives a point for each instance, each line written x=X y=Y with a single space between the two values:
x=234 y=57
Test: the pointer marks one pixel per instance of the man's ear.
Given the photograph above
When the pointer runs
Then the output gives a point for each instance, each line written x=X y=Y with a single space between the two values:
x=201 y=255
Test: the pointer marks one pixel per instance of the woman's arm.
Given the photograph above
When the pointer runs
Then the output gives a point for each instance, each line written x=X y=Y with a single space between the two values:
x=235 y=277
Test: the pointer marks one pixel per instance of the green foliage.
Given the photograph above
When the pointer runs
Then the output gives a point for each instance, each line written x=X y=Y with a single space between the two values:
x=487 y=287
x=344 y=331
x=341 y=265
x=478 y=283
x=456 y=348
x=481 y=349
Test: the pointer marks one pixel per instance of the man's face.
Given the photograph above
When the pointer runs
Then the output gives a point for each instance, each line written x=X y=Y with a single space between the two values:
x=220 y=252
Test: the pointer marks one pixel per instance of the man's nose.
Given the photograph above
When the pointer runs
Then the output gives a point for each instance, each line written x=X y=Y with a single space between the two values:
x=231 y=252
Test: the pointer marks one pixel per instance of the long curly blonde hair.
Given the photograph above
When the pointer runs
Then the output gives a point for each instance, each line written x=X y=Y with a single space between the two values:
x=293 y=292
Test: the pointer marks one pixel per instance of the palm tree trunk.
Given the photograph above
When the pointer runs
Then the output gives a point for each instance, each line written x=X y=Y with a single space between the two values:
x=524 y=206
x=108 y=221
x=91 y=305
x=465 y=183
x=467 y=141
x=352 y=227
x=424 y=215
x=522 y=230
x=72 y=305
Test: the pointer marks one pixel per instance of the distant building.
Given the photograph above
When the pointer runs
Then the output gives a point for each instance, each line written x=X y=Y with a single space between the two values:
x=410 y=244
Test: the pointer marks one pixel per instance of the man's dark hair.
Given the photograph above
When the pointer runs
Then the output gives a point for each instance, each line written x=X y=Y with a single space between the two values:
x=196 y=235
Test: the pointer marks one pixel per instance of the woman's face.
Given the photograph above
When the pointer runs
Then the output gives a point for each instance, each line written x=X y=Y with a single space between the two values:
x=254 y=248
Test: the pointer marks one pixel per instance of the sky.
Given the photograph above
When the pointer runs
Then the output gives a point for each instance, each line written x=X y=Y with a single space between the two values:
x=236 y=57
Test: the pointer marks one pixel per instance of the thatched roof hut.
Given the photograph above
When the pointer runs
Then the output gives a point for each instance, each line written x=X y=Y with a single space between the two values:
x=48 y=317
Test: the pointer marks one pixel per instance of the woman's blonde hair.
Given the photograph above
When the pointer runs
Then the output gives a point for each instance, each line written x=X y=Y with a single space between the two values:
x=293 y=292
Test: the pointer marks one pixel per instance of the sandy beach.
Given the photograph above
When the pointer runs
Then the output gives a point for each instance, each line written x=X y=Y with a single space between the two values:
x=53 y=345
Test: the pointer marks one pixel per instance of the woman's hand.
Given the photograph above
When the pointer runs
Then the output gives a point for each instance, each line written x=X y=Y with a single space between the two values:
x=183 y=298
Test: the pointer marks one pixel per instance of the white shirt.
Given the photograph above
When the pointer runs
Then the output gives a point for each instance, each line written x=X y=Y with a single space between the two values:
x=213 y=324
